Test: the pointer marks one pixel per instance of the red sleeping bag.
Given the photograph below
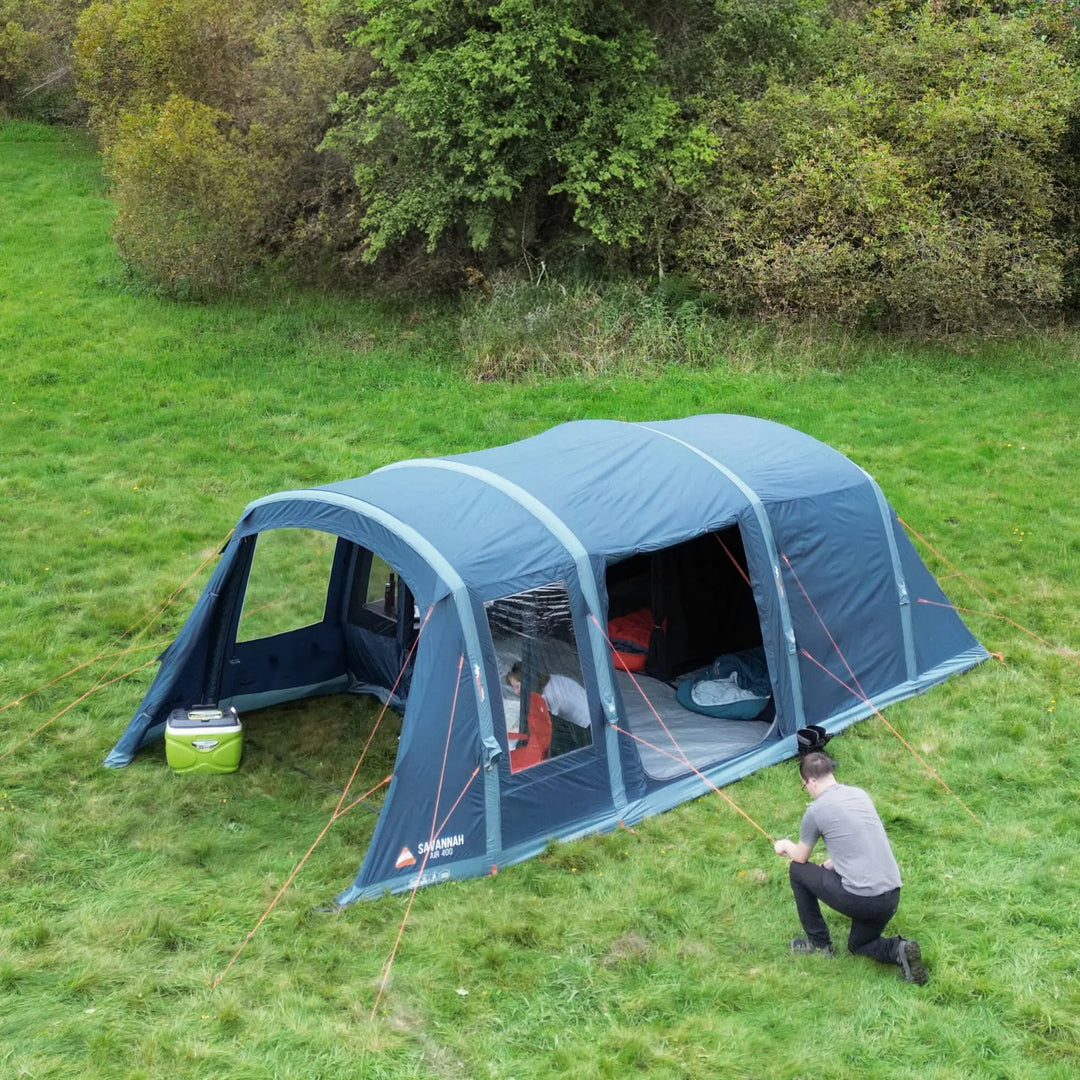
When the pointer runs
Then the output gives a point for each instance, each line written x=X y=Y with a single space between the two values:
x=629 y=636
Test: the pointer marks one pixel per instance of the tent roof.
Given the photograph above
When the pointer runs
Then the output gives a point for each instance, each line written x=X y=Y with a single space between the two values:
x=612 y=486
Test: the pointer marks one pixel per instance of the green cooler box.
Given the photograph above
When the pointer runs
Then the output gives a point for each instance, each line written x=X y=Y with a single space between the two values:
x=203 y=740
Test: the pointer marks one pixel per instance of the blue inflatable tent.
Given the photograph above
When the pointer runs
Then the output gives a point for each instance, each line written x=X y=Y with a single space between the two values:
x=668 y=548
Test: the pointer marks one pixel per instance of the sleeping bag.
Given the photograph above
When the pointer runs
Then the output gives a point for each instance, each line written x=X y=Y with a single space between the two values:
x=735 y=686
x=629 y=636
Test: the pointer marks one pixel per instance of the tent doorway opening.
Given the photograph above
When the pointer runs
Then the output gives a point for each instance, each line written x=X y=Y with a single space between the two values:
x=314 y=614
x=302 y=600
x=683 y=620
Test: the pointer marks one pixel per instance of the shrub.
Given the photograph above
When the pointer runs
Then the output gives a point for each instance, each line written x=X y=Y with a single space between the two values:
x=757 y=41
x=18 y=47
x=36 y=58
x=133 y=53
x=210 y=114
x=188 y=207
x=912 y=186
x=301 y=64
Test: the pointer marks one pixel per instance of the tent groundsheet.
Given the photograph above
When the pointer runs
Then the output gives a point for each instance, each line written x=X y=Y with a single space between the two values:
x=674 y=741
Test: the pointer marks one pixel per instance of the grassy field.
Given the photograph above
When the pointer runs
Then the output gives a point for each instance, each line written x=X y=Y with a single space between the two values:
x=133 y=430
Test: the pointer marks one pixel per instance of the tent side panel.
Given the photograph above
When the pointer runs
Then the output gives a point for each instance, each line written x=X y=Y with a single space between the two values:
x=655 y=801
x=275 y=665
x=180 y=678
x=843 y=594
x=436 y=804
x=940 y=634
x=554 y=797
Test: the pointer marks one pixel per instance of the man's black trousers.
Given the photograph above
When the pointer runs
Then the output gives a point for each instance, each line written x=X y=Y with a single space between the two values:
x=869 y=915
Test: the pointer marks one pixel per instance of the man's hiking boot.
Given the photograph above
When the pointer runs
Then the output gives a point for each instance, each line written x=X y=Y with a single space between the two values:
x=804 y=947
x=909 y=957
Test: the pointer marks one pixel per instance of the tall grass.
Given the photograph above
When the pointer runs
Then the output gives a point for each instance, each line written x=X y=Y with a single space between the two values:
x=132 y=432
x=576 y=327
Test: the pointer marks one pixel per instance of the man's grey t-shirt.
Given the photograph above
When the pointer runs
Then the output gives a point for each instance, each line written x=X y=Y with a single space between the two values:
x=845 y=818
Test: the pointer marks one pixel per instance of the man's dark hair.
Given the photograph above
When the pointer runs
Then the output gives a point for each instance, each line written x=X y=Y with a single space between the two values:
x=816 y=765
x=515 y=672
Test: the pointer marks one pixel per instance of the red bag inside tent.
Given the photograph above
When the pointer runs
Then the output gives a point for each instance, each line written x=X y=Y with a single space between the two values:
x=629 y=637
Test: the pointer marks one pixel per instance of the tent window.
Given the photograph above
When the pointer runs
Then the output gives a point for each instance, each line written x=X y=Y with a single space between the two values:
x=381 y=593
x=379 y=596
x=545 y=704
x=287 y=584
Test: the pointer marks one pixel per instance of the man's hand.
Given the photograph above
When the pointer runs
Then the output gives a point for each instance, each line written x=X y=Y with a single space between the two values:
x=788 y=849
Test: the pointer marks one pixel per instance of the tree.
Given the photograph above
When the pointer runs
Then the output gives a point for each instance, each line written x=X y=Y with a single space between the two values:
x=484 y=118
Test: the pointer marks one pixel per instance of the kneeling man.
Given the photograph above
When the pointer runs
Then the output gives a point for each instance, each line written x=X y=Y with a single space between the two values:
x=859 y=879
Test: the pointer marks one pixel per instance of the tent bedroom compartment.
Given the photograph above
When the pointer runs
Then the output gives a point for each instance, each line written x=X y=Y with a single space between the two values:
x=720 y=535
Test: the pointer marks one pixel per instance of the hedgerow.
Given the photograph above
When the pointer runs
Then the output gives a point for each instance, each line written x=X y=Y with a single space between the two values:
x=210 y=113
x=36 y=58
x=912 y=185
x=487 y=120
x=908 y=165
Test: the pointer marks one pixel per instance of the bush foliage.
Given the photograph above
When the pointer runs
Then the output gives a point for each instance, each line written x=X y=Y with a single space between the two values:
x=188 y=203
x=210 y=113
x=36 y=58
x=479 y=114
x=912 y=184
x=905 y=165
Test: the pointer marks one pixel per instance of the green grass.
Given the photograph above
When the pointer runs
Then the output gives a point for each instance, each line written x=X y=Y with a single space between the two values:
x=133 y=430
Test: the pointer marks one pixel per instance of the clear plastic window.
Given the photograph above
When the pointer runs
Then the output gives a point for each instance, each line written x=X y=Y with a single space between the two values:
x=382 y=588
x=379 y=596
x=286 y=588
x=377 y=593
x=545 y=703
